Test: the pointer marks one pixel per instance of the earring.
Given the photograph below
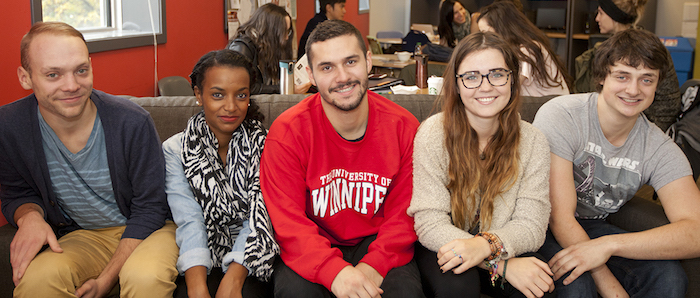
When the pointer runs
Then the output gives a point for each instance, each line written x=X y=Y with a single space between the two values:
x=197 y=102
x=248 y=104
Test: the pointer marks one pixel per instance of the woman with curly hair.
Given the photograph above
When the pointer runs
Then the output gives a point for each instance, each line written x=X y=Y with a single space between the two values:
x=541 y=71
x=213 y=185
x=481 y=181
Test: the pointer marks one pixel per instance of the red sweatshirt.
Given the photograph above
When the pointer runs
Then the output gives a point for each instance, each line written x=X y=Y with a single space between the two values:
x=323 y=190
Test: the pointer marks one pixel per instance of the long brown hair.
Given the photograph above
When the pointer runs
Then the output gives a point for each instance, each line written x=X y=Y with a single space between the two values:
x=509 y=22
x=267 y=29
x=469 y=175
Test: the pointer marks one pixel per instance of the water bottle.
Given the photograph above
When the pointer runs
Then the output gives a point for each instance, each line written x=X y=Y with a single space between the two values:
x=286 y=76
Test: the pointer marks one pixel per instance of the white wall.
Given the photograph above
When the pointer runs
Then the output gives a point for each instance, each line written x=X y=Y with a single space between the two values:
x=669 y=15
x=389 y=15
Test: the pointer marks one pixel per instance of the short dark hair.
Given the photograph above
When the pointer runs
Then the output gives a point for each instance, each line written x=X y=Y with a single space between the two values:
x=632 y=47
x=331 y=29
x=228 y=58
x=323 y=4
x=54 y=28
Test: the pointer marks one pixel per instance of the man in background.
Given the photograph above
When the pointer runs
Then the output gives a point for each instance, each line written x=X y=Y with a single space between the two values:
x=330 y=10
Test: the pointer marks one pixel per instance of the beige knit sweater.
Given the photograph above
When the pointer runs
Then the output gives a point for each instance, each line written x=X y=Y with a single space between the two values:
x=520 y=215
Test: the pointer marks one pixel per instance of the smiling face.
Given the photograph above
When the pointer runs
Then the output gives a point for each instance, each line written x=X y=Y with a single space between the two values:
x=627 y=91
x=339 y=69
x=460 y=14
x=485 y=102
x=61 y=75
x=225 y=96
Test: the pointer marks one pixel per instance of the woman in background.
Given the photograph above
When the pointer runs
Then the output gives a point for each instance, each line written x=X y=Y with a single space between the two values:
x=213 y=186
x=541 y=71
x=266 y=39
x=481 y=181
x=454 y=23
x=616 y=16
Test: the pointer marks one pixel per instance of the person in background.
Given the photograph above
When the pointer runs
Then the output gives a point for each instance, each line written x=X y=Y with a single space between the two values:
x=266 y=39
x=480 y=181
x=336 y=178
x=224 y=232
x=475 y=16
x=329 y=10
x=541 y=71
x=454 y=23
x=82 y=173
x=603 y=149
x=616 y=16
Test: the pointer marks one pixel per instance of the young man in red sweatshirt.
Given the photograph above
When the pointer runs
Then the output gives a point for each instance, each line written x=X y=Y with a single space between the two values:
x=336 y=176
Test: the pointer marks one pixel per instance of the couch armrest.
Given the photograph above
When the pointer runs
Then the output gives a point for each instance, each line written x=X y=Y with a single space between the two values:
x=7 y=232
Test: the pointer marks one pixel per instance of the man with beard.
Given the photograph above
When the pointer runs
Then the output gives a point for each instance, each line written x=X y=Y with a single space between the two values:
x=336 y=176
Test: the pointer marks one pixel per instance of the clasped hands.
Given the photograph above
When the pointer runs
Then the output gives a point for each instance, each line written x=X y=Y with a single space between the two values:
x=359 y=281
x=529 y=275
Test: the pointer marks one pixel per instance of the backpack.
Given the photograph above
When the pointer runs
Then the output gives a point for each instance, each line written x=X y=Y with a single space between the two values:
x=686 y=130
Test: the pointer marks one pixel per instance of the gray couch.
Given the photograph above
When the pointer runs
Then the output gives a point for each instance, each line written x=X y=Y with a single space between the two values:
x=170 y=115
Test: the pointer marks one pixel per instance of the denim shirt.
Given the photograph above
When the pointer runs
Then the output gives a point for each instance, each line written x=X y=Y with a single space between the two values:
x=191 y=234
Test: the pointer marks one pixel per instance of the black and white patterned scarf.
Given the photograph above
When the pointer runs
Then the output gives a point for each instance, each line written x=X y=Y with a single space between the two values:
x=230 y=195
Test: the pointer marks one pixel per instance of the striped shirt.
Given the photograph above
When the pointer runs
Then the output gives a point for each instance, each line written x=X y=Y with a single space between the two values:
x=82 y=181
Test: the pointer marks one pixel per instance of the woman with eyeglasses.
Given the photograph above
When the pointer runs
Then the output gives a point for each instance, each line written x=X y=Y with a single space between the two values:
x=481 y=181
x=266 y=39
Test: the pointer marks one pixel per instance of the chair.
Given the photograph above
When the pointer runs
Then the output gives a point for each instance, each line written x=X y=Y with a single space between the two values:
x=374 y=45
x=389 y=34
x=174 y=86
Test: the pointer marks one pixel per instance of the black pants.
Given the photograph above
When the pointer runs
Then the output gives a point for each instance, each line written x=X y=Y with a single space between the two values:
x=252 y=288
x=400 y=282
x=468 y=284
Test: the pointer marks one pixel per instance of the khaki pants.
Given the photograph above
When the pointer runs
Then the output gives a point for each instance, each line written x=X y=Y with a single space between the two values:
x=149 y=272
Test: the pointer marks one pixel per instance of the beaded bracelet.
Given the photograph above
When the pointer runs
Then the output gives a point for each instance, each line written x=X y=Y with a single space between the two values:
x=493 y=271
x=494 y=243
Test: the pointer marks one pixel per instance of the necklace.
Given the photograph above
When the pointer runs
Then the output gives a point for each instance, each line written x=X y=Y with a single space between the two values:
x=482 y=156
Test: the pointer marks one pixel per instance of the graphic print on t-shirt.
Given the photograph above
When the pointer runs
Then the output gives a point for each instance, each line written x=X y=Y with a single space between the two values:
x=603 y=184
x=363 y=192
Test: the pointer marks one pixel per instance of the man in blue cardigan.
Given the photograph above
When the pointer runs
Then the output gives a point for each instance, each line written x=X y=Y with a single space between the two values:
x=82 y=172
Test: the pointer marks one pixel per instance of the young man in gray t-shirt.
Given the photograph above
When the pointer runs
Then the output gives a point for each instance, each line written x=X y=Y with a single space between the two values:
x=613 y=150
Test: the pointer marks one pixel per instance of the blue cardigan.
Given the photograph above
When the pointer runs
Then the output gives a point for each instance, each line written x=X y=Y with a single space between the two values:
x=134 y=155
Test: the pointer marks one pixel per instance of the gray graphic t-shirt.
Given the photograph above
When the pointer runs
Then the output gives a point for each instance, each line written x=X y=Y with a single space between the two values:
x=606 y=176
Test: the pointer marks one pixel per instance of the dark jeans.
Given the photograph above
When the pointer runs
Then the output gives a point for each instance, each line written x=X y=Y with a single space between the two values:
x=471 y=283
x=640 y=278
x=400 y=282
x=252 y=288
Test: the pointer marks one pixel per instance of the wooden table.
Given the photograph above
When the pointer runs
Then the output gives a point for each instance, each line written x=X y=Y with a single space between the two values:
x=389 y=64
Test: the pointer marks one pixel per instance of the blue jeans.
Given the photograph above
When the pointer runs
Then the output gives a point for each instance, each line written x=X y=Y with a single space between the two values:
x=640 y=278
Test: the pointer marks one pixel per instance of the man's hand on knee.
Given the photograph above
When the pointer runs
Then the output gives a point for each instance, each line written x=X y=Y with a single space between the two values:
x=32 y=234
x=579 y=258
x=351 y=282
x=92 y=288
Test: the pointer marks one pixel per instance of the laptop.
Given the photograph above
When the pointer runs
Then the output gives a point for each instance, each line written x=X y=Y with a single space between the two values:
x=551 y=19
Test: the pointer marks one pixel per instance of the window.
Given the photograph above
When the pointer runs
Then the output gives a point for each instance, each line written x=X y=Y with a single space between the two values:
x=108 y=24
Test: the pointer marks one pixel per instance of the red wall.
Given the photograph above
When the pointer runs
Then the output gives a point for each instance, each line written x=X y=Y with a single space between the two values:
x=306 y=11
x=193 y=27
